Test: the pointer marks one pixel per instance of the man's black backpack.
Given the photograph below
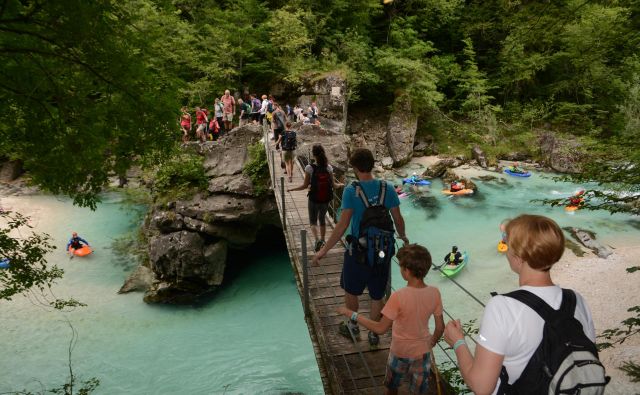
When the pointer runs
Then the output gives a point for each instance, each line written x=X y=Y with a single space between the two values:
x=566 y=361
x=375 y=237
x=321 y=185
x=290 y=140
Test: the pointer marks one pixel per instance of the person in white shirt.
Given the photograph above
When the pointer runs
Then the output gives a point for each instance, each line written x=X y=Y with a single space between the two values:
x=510 y=331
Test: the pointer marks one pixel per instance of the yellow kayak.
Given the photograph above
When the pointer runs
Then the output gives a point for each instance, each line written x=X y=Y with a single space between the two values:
x=502 y=246
x=571 y=208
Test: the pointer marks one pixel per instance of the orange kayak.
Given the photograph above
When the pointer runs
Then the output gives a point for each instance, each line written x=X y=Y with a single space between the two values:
x=82 y=251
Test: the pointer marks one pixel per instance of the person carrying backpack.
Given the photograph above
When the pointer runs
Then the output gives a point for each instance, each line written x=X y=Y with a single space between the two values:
x=289 y=143
x=319 y=176
x=278 y=124
x=368 y=265
x=539 y=339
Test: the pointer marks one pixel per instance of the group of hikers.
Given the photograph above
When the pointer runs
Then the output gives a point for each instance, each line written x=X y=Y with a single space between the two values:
x=211 y=125
x=509 y=355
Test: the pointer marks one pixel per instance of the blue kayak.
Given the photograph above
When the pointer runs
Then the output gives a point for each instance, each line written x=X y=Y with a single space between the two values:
x=525 y=174
x=4 y=263
x=415 y=182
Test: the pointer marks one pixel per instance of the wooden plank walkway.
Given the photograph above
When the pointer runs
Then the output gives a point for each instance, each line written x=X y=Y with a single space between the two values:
x=345 y=367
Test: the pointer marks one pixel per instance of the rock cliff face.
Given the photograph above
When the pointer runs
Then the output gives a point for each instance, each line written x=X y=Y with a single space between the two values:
x=401 y=132
x=189 y=239
x=329 y=91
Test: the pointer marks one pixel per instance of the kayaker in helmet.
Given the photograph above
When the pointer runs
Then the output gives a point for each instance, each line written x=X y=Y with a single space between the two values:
x=515 y=168
x=75 y=242
x=456 y=186
x=577 y=199
x=454 y=257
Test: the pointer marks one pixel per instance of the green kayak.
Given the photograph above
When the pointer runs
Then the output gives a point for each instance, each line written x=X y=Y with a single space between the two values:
x=448 y=271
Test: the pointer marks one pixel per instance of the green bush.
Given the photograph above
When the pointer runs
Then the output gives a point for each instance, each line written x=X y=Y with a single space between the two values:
x=181 y=176
x=257 y=168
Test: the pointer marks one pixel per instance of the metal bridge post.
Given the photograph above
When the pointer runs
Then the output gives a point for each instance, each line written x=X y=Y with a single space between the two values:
x=273 y=169
x=305 y=271
x=284 y=211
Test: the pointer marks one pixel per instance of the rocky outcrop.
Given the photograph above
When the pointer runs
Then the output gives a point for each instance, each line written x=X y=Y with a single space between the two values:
x=329 y=91
x=189 y=239
x=424 y=145
x=335 y=144
x=140 y=280
x=440 y=167
x=478 y=154
x=588 y=239
x=560 y=154
x=401 y=131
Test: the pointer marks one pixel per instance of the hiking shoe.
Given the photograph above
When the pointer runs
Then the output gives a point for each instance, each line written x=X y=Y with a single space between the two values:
x=319 y=245
x=374 y=340
x=343 y=329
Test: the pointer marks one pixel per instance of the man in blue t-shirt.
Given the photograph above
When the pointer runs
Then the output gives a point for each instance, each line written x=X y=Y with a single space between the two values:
x=358 y=276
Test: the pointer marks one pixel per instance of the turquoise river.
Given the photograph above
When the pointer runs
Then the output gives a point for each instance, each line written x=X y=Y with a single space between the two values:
x=251 y=337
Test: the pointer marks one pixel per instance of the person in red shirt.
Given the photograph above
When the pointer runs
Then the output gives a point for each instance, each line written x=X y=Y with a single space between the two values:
x=201 y=120
x=228 y=109
x=185 y=124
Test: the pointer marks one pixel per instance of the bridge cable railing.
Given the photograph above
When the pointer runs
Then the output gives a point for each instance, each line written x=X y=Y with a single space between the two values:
x=314 y=276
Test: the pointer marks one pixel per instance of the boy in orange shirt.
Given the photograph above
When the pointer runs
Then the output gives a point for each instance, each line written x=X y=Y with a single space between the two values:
x=409 y=310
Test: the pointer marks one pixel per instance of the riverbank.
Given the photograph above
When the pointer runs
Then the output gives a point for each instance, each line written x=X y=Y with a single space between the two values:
x=609 y=291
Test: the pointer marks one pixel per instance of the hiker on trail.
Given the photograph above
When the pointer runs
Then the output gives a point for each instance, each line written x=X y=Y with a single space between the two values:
x=245 y=112
x=313 y=114
x=185 y=124
x=256 y=104
x=368 y=206
x=228 y=109
x=263 y=110
x=297 y=113
x=219 y=113
x=278 y=124
x=507 y=351
x=289 y=143
x=319 y=176
x=201 y=121
x=408 y=312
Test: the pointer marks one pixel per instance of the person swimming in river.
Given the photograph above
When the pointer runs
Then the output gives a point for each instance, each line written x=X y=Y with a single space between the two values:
x=454 y=258
x=456 y=186
x=398 y=189
x=75 y=242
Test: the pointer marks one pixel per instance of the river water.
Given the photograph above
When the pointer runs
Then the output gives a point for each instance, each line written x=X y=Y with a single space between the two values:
x=251 y=338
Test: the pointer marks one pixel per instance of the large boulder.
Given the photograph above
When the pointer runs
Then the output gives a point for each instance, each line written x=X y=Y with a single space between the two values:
x=402 y=127
x=562 y=155
x=10 y=170
x=185 y=267
x=335 y=145
x=450 y=176
x=424 y=145
x=140 y=280
x=479 y=155
x=226 y=208
x=441 y=165
x=588 y=239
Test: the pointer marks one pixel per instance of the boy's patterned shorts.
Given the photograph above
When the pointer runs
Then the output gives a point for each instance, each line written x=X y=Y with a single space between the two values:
x=416 y=370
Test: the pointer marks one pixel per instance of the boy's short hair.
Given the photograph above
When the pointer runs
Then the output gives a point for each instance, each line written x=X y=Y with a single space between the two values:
x=362 y=159
x=415 y=258
x=536 y=239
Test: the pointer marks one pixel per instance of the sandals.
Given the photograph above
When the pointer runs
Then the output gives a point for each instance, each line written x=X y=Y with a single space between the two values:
x=319 y=245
